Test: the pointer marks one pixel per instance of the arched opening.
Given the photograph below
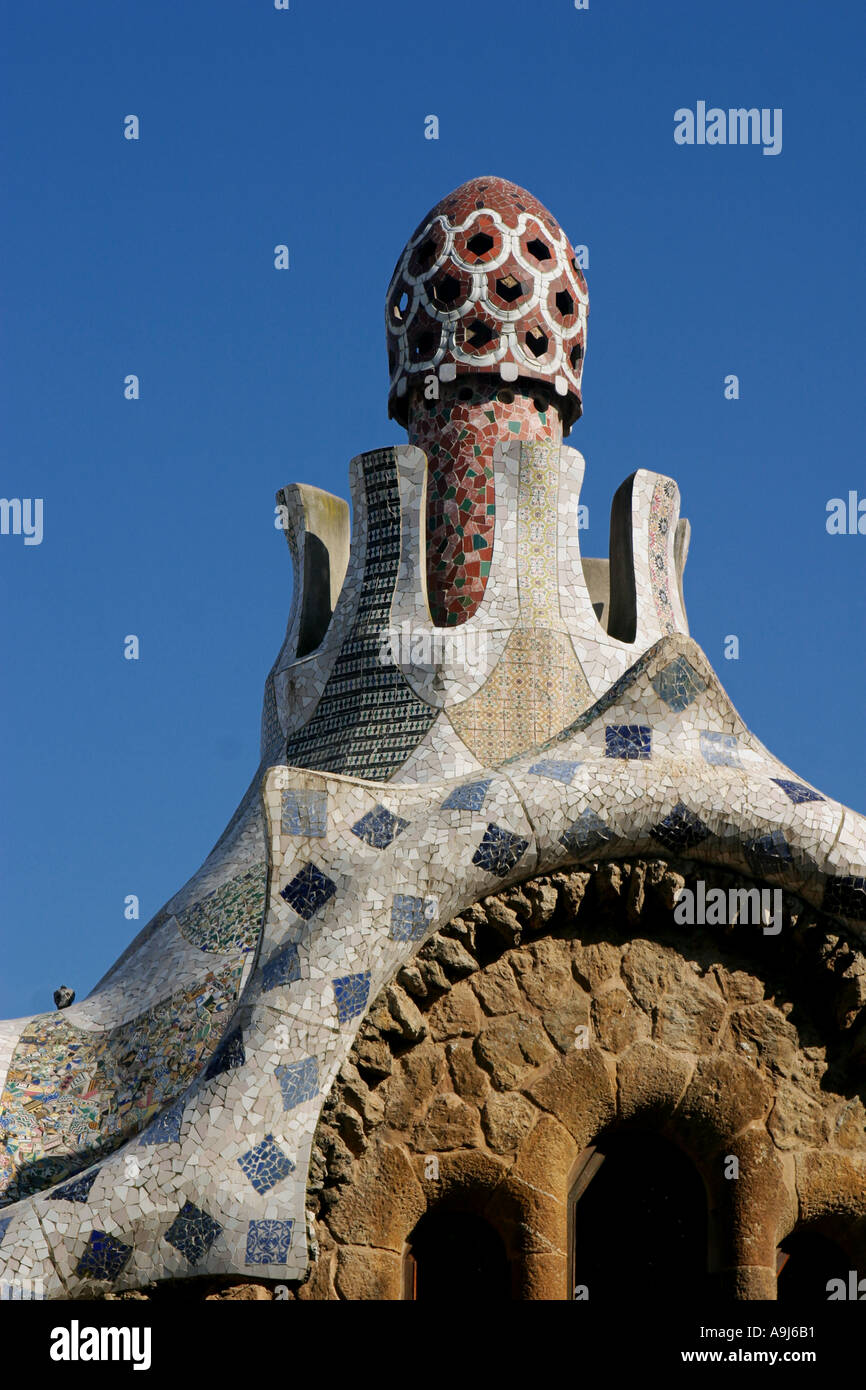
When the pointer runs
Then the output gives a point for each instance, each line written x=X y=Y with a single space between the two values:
x=638 y=1223
x=806 y=1264
x=456 y=1254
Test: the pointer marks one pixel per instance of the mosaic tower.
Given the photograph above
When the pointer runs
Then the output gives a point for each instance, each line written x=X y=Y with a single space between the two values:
x=472 y=733
x=487 y=298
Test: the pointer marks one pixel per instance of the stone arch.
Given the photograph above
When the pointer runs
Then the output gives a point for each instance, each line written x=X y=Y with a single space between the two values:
x=469 y=1083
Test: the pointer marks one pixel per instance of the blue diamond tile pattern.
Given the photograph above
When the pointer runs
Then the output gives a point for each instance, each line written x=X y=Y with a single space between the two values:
x=588 y=832
x=193 y=1232
x=410 y=917
x=268 y=1242
x=681 y=830
x=379 y=827
x=469 y=797
x=678 y=684
x=500 y=850
x=229 y=1054
x=721 y=750
x=166 y=1127
x=796 y=791
x=308 y=891
x=282 y=969
x=265 y=1164
x=104 y=1257
x=556 y=770
x=351 y=993
x=305 y=813
x=845 y=896
x=299 y=1081
x=628 y=741
x=77 y=1191
x=769 y=854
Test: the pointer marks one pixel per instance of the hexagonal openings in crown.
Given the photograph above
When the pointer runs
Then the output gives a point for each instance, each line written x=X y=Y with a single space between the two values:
x=488 y=283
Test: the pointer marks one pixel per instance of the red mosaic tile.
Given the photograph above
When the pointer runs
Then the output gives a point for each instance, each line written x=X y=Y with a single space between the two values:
x=461 y=492
x=488 y=283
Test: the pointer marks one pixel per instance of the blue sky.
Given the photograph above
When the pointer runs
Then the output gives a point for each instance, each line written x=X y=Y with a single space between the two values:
x=306 y=127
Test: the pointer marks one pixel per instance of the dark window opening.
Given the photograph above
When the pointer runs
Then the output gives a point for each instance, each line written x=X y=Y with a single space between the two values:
x=538 y=249
x=465 y=393
x=423 y=346
x=564 y=303
x=537 y=342
x=509 y=288
x=456 y=1256
x=805 y=1264
x=638 y=1223
x=480 y=244
x=445 y=291
x=426 y=252
x=479 y=334
x=399 y=308
x=576 y=355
